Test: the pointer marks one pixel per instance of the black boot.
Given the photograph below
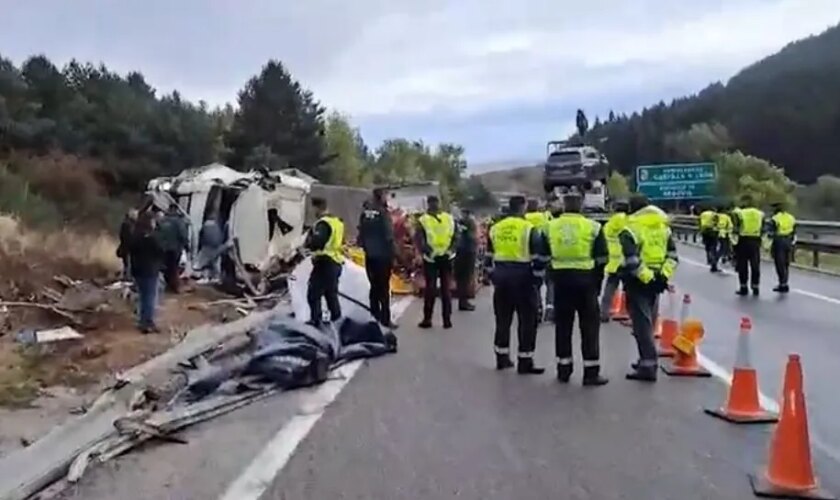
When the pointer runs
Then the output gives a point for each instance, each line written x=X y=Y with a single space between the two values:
x=564 y=373
x=503 y=362
x=447 y=323
x=526 y=366
x=755 y=291
x=642 y=374
x=466 y=306
x=592 y=376
x=549 y=314
x=743 y=292
x=425 y=324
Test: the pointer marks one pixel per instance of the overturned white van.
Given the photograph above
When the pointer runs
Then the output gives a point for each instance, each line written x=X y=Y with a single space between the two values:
x=261 y=212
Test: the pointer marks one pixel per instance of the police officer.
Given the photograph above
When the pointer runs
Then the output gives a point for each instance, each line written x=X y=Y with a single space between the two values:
x=436 y=241
x=709 y=233
x=578 y=252
x=517 y=253
x=650 y=260
x=324 y=241
x=724 y=235
x=539 y=219
x=749 y=223
x=465 y=258
x=555 y=209
x=376 y=238
x=782 y=230
x=616 y=223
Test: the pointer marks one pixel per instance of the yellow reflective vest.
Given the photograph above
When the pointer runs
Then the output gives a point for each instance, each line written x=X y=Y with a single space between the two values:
x=724 y=225
x=612 y=229
x=571 y=238
x=751 y=220
x=511 y=239
x=785 y=223
x=538 y=219
x=333 y=247
x=707 y=220
x=439 y=230
x=651 y=232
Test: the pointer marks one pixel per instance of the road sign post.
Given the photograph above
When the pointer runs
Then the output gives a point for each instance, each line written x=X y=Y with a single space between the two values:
x=678 y=181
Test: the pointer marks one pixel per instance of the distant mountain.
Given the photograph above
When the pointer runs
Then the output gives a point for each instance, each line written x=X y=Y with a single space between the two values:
x=785 y=108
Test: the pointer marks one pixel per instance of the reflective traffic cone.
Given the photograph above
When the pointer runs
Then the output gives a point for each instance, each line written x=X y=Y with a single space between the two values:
x=742 y=406
x=685 y=362
x=789 y=472
x=618 y=309
x=670 y=328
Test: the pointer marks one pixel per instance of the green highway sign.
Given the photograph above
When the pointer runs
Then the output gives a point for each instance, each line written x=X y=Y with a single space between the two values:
x=677 y=181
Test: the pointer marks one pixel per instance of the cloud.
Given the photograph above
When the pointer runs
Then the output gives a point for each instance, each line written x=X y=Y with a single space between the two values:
x=497 y=76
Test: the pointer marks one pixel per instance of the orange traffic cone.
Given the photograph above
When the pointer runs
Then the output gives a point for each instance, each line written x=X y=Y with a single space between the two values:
x=789 y=473
x=670 y=328
x=742 y=406
x=618 y=308
x=685 y=362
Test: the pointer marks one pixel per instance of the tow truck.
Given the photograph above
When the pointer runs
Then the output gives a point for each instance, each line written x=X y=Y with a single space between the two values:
x=577 y=168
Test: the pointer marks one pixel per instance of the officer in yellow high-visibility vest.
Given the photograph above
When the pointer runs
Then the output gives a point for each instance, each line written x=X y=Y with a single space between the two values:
x=516 y=252
x=650 y=260
x=708 y=231
x=616 y=223
x=579 y=253
x=436 y=239
x=749 y=225
x=782 y=229
x=724 y=235
x=325 y=241
x=539 y=219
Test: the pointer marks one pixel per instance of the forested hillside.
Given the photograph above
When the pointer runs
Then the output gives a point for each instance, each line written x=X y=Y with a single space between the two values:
x=75 y=141
x=784 y=108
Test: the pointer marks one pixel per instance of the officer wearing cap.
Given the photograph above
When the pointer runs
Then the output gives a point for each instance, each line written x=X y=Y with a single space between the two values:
x=436 y=241
x=516 y=254
x=578 y=251
x=616 y=223
x=782 y=230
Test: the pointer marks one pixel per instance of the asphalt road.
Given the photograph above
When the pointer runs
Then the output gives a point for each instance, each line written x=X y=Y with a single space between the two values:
x=436 y=421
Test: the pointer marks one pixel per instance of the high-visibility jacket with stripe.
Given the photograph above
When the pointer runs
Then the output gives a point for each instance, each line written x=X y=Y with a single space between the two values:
x=439 y=230
x=652 y=247
x=571 y=238
x=332 y=248
x=750 y=222
x=612 y=229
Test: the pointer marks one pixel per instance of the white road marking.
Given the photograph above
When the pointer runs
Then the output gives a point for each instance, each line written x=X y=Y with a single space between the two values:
x=256 y=478
x=766 y=402
x=799 y=291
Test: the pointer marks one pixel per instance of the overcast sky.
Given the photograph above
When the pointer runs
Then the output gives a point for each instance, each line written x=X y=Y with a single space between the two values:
x=498 y=76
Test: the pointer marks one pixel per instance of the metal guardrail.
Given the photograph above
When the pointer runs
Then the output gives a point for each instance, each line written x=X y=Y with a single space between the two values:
x=816 y=237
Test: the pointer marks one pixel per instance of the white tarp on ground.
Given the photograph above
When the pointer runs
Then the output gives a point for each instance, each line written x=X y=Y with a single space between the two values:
x=353 y=283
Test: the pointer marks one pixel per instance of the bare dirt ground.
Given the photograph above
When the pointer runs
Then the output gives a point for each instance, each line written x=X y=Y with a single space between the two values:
x=44 y=384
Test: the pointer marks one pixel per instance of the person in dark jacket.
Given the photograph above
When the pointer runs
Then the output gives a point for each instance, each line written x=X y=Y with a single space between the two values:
x=465 y=258
x=174 y=236
x=126 y=232
x=376 y=237
x=146 y=254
